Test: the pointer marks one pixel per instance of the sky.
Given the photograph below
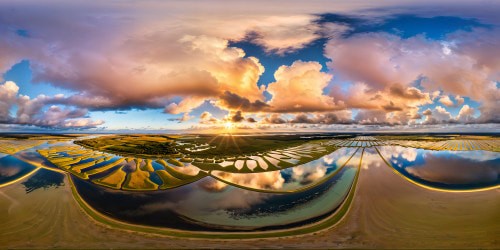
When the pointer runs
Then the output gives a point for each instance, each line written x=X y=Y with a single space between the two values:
x=255 y=66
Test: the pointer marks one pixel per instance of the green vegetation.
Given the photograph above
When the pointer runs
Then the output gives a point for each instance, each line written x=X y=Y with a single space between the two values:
x=230 y=145
x=168 y=180
x=14 y=146
x=175 y=162
x=173 y=172
x=148 y=165
x=78 y=167
x=113 y=180
x=180 y=169
x=139 y=180
x=105 y=167
x=143 y=145
x=328 y=222
x=272 y=160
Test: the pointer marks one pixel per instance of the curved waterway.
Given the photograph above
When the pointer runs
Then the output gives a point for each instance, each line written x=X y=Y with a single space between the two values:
x=210 y=205
x=257 y=201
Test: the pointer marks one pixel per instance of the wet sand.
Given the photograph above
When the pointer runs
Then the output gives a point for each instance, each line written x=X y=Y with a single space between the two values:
x=388 y=212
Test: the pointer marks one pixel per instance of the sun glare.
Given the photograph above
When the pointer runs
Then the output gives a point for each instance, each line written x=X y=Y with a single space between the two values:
x=228 y=125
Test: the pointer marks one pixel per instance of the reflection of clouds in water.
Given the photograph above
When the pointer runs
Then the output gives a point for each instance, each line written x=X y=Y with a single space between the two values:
x=328 y=159
x=199 y=201
x=129 y=166
x=237 y=199
x=409 y=154
x=456 y=170
x=308 y=174
x=153 y=208
x=478 y=155
x=211 y=185
x=265 y=180
x=343 y=159
x=9 y=171
x=340 y=155
x=188 y=169
x=370 y=160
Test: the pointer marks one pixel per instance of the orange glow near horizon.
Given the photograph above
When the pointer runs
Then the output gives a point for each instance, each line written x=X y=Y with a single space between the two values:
x=228 y=126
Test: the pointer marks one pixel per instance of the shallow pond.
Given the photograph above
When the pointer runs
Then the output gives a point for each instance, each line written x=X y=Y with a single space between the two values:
x=255 y=201
x=457 y=170
x=214 y=206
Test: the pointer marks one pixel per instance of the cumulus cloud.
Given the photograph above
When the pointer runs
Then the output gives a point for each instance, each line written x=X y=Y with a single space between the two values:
x=273 y=119
x=392 y=66
x=460 y=100
x=251 y=120
x=438 y=116
x=303 y=81
x=466 y=114
x=233 y=101
x=35 y=112
x=394 y=97
x=237 y=117
x=337 y=117
x=123 y=57
x=131 y=67
x=184 y=118
x=205 y=115
x=389 y=59
x=8 y=95
x=284 y=34
x=186 y=105
x=446 y=101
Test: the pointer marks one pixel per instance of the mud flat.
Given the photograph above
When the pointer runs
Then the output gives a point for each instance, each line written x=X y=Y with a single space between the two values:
x=387 y=212
x=390 y=212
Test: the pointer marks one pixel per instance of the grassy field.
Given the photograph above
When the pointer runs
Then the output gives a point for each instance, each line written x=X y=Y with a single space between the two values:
x=229 y=145
x=145 y=145
x=16 y=145
x=204 y=153
x=201 y=146
x=113 y=180
x=139 y=179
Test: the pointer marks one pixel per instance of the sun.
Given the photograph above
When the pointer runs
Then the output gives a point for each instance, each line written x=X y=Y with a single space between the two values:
x=228 y=125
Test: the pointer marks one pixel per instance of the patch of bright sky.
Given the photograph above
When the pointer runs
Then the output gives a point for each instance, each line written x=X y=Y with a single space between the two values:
x=135 y=119
x=272 y=61
x=406 y=26
x=455 y=109
x=207 y=106
x=22 y=75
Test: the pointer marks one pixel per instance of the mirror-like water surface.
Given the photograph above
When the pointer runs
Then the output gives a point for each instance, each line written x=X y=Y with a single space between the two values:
x=209 y=204
x=12 y=169
x=460 y=170
x=262 y=196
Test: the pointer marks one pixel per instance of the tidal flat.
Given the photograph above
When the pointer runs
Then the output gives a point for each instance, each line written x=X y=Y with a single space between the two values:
x=355 y=192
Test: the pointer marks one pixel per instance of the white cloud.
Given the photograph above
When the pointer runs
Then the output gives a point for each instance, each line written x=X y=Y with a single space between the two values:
x=299 y=88
x=446 y=101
